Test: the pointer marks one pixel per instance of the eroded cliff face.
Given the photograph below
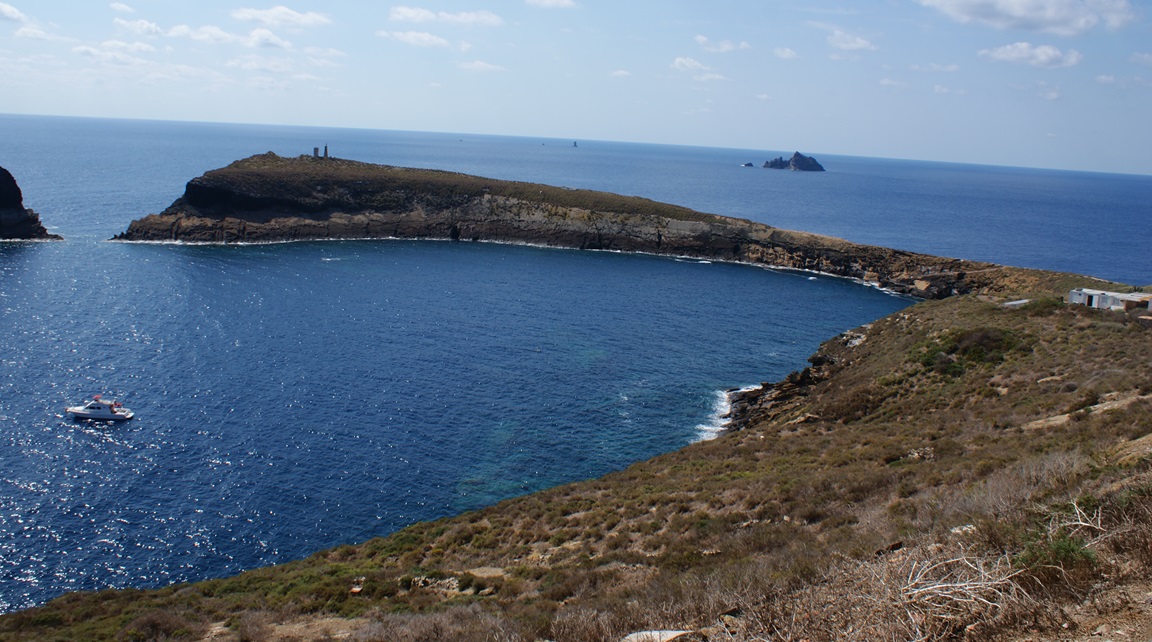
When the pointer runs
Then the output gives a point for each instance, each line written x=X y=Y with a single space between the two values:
x=267 y=198
x=16 y=222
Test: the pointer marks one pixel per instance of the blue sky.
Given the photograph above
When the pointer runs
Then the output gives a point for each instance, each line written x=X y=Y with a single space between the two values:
x=1036 y=83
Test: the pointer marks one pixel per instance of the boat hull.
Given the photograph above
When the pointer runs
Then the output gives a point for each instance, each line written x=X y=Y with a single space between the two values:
x=79 y=412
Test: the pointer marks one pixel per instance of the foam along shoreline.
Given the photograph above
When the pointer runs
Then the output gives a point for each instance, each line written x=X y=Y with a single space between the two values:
x=267 y=198
x=720 y=418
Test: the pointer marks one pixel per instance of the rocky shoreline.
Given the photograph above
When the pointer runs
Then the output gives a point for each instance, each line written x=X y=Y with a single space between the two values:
x=268 y=198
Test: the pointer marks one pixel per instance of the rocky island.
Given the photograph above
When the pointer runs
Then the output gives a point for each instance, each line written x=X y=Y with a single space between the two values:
x=799 y=163
x=269 y=198
x=17 y=222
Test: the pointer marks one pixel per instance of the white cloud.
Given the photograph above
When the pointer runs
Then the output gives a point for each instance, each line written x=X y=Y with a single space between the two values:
x=415 y=38
x=207 y=33
x=257 y=38
x=1106 y=79
x=131 y=47
x=942 y=90
x=785 y=53
x=108 y=57
x=261 y=63
x=31 y=31
x=1037 y=56
x=695 y=67
x=121 y=7
x=8 y=12
x=140 y=27
x=323 y=57
x=688 y=64
x=1142 y=58
x=281 y=16
x=552 y=4
x=411 y=14
x=265 y=38
x=472 y=18
x=620 y=73
x=28 y=27
x=723 y=46
x=1060 y=17
x=480 y=66
x=888 y=82
x=848 y=42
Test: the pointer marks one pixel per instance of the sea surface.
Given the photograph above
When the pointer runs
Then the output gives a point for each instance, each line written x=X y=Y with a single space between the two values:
x=293 y=397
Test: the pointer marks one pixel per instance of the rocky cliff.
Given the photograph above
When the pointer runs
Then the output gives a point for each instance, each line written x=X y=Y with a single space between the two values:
x=16 y=222
x=268 y=198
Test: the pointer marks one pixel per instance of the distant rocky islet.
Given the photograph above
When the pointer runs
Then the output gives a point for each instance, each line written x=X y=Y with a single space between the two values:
x=799 y=163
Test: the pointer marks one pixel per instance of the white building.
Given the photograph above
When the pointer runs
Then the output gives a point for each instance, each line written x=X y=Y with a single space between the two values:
x=1104 y=300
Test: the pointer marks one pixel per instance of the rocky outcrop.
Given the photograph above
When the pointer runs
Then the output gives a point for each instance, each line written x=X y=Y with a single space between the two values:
x=799 y=162
x=16 y=222
x=268 y=198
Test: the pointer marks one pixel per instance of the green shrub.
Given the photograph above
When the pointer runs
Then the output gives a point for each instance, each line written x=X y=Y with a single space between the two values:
x=1063 y=551
x=156 y=625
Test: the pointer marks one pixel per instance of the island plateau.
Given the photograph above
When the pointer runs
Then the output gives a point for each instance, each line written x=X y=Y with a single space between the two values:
x=269 y=198
x=17 y=222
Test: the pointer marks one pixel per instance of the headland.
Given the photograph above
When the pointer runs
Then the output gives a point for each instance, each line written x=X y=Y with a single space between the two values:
x=269 y=198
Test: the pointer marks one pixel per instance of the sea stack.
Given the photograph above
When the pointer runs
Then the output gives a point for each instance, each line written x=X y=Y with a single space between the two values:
x=799 y=162
x=16 y=222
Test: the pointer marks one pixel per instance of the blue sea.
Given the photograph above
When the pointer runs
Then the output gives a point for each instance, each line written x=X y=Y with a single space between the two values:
x=293 y=397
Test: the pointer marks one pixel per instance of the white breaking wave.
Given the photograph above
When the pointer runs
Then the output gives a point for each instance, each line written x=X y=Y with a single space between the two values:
x=719 y=418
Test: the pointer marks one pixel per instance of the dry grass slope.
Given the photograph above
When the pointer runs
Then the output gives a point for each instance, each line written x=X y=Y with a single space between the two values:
x=269 y=173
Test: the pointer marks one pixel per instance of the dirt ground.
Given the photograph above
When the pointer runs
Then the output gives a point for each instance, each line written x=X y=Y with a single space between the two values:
x=1119 y=614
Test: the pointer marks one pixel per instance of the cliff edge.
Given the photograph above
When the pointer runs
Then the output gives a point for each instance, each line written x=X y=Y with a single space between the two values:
x=16 y=222
x=269 y=198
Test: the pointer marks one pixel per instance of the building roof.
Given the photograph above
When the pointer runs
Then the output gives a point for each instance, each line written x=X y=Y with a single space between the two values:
x=1123 y=296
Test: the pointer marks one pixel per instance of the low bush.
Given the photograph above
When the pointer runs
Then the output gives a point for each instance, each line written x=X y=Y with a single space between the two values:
x=158 y=626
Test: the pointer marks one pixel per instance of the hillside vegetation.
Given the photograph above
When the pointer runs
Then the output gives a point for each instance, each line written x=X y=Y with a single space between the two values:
x=346 y=183
x=961 y=469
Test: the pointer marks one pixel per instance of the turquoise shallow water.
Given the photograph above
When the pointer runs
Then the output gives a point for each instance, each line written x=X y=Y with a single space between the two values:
x=297 y=396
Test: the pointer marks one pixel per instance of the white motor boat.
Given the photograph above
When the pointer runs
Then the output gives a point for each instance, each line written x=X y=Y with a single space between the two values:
x=100 y=410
